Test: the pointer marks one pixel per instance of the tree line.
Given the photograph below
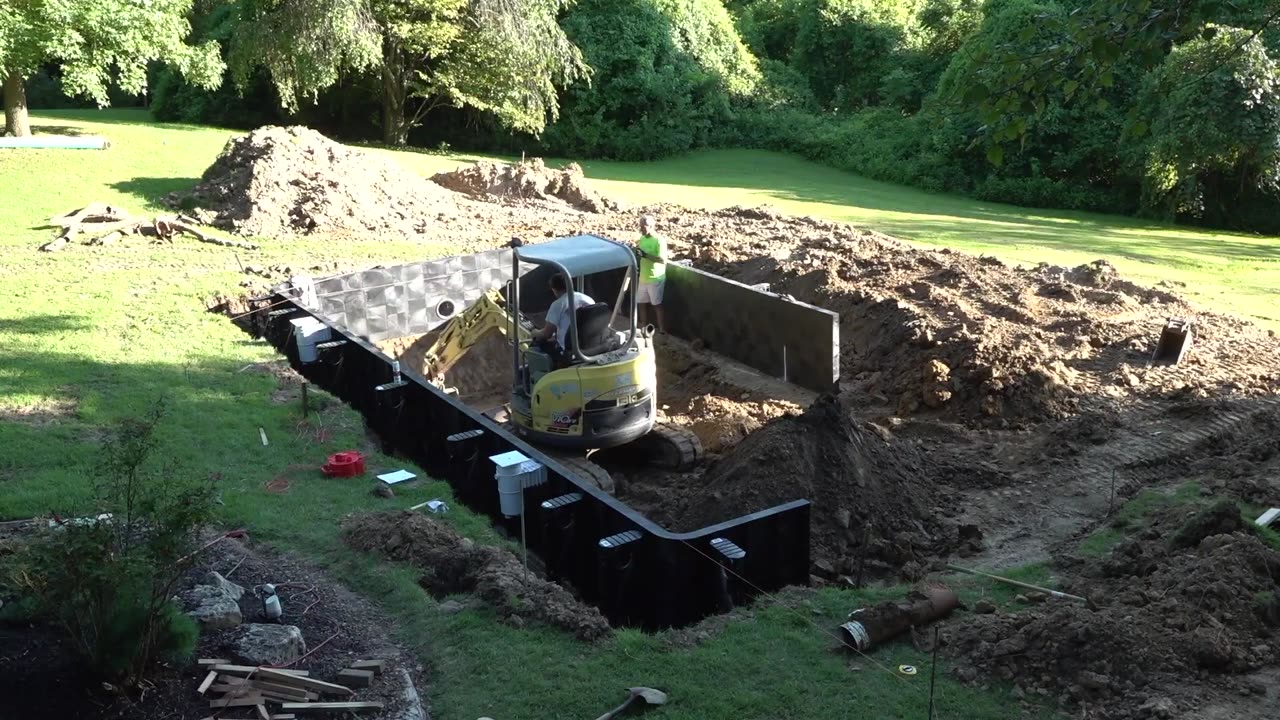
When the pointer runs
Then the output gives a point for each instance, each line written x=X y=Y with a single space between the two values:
x=1162 y=108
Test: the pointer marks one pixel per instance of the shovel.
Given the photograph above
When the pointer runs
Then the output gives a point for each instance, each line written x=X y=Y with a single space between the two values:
x=648 y=695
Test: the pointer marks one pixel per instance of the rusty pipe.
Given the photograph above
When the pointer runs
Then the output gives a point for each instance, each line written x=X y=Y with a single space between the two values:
x=869 y=627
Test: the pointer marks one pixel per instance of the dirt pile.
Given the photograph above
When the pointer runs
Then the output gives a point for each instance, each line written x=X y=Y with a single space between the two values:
x=718 y=402
x=858 y=482
x=1185 y=597
x=454 y=564
x=944 y=332
x=281 y=181
x=529 y=180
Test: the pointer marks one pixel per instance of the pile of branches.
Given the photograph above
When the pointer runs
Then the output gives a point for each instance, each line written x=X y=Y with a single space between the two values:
x=101 y=224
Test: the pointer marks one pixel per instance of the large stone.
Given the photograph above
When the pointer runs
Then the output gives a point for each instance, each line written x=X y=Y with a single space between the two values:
x=232 y=590
x=211 y=607
x=267 y=644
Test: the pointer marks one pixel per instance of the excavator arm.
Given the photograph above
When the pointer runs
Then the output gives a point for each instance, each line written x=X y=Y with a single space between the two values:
x=466 y=329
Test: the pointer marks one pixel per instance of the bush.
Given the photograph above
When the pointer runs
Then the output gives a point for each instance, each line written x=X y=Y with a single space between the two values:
x=846 y=48
x=176 y=100
x=108 y=581
x=651 y=95
x=1213 y=151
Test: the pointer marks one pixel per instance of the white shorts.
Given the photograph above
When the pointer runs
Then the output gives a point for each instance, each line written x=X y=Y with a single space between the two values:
x=651 y=293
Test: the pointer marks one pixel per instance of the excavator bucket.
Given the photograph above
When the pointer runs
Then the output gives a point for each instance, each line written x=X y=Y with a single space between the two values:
x=1175 y=341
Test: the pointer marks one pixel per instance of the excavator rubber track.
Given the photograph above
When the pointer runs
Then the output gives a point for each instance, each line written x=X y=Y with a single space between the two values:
x=584 y=468
x=670 y=447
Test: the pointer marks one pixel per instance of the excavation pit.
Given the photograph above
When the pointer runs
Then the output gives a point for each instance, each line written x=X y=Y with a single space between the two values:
x=614 y=556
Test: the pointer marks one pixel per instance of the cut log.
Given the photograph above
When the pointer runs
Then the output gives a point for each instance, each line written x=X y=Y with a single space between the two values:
x=180 y=226
x=320 y=686
x=331 y=707
x=355 y=678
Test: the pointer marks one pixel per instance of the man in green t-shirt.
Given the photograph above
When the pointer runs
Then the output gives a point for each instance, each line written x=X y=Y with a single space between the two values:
x=653 y=273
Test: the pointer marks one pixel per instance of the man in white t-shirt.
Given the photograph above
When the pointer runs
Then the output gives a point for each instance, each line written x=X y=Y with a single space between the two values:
x=558 y=320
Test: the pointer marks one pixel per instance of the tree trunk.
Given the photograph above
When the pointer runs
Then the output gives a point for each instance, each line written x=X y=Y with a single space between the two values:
x=395 y=128
x=16 y=122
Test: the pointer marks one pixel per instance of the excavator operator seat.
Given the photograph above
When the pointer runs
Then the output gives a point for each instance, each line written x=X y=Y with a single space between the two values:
x=594 y=335
x=539 y=363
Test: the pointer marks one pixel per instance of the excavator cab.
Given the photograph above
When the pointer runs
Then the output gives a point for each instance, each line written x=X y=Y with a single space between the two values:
x=601 y=394
x=601 y=391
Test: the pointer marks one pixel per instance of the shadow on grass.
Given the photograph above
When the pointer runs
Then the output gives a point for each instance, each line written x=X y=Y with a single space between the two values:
x=43 y=325
x=155 y=189
x=65 y=130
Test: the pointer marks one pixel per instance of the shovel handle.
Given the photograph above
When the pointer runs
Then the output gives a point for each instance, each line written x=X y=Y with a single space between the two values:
x=618 y=710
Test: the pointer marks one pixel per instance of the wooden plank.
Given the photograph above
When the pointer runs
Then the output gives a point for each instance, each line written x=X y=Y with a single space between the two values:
x=262 y=713
x=377 y=666
x=331 y=707
x=319 y=686
x=246 y=700
x=210 y=662
x=245 y=670
x=356 y=678
x=289 y=691
x=220 y=688
x=208 y=680
x=288 y=716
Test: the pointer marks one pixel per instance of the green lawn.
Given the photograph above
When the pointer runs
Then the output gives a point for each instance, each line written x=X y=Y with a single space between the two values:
x=91 y=335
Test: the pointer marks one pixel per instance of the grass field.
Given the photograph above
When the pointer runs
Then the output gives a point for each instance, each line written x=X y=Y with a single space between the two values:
x=91 y=335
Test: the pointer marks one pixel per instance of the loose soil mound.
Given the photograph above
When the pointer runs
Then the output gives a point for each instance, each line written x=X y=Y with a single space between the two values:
x=1184 y=597
x=279 y=181
x=531 y=180
x=454 y=564
x=945 y=332
x=858 y=482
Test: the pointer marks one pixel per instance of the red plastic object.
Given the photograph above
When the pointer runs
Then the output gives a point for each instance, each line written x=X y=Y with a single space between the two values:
x=344 y=464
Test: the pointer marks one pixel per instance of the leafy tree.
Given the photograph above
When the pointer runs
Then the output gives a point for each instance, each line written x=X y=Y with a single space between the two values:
x=648 y=97
x=1213 y=112
x=847 y=47
x=95 y=43
x=503 y=56
x=665 y=75
x=1086 y=48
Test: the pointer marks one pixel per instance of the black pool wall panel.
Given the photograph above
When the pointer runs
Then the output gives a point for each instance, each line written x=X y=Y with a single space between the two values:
x=635 y=571
x=778 y=336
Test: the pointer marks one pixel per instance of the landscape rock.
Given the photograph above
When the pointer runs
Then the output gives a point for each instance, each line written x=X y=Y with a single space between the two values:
x=267 y=644
x=451 y=607
x=212 y=607
x=984 y=607
x=230 y=589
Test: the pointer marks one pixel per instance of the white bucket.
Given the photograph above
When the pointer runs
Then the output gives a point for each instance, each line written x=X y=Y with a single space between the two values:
x=514 y=473
x=309 y=332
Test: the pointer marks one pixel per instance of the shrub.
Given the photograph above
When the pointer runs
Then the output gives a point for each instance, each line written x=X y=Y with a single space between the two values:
x=1213 y=109
x=108 y=580
x=846 y=48
x=654 y=91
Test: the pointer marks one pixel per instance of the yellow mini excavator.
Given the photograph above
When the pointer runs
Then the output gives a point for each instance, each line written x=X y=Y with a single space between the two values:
x=603 y=391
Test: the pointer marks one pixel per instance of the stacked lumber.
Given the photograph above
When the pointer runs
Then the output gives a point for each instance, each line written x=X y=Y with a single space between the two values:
x=254 y=688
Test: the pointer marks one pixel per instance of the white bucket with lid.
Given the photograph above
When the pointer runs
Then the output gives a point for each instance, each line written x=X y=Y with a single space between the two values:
x=309 y=332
